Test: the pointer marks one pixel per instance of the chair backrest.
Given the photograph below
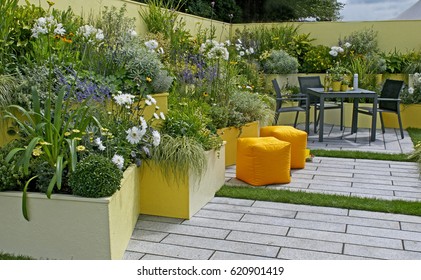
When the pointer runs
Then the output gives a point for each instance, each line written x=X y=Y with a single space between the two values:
x=277 y=89
x=391 y=89
x=310 y=82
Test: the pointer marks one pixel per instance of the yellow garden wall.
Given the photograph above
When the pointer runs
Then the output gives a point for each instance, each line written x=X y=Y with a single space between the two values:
x=402 y=35
x=83 y=7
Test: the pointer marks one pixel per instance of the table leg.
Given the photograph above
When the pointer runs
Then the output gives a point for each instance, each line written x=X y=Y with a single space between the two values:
x=308 y=114
x=354 y=116
x=322 y=117
x=374 y=119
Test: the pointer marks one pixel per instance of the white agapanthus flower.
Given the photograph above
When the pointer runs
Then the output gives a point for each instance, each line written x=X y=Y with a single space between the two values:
x=347 y=45
x=156 y=138
x=44 y=25
x=59 y=30
x=124 y=99
x=333 y=53
x=99 y=35
x=118 y=160
x=151 y=45
x=218 y=52
x=90 y=32
x=134 y=135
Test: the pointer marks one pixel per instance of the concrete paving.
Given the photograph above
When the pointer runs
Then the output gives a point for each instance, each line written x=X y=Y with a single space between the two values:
x=343 y=140
x=227 y=229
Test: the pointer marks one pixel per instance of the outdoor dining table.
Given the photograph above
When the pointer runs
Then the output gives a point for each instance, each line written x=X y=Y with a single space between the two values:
x=354 y=94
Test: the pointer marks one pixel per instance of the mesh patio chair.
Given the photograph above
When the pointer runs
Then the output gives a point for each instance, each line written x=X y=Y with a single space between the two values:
x=389 y=102
x=280 y=99
x=314 y=82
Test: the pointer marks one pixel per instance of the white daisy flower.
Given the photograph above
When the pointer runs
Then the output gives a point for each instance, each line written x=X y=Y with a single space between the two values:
x=118 y=160
x=134 y=135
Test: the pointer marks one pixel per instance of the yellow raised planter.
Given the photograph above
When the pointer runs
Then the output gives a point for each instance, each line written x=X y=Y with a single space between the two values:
x=183 y=195
x=230 y=135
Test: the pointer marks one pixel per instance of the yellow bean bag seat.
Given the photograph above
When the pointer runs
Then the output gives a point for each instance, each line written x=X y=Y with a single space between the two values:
x=263 y=161
x=296 y=137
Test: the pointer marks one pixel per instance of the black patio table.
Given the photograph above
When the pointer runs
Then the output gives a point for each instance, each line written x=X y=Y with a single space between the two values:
x=355 y=94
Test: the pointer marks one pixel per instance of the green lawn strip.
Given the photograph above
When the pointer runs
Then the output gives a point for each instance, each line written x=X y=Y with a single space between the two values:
x=6 y=256
x=415 y=134
x=325 y=200
x=361 y=155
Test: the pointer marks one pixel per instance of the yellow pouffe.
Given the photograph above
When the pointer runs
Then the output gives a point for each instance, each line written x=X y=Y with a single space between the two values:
x=263 y=161
x=296 y=137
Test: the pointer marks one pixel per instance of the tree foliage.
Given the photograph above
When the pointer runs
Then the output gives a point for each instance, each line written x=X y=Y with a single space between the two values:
x=261 y=10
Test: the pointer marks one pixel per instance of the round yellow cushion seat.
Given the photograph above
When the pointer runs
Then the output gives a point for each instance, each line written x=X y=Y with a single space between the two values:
x=263 y=161
x=296 y=137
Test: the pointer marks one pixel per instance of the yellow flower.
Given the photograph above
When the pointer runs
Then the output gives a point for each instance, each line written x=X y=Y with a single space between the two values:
x=205 y=94
x=37 y=151
x=67 y=133
x=42 y=143
x=148 y=79
x=77 y=138
x=104 y=129
x=75 y=130
x=80 y=148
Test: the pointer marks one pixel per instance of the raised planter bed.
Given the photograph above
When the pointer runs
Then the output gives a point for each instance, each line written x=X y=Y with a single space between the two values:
x=181 y=195
x=70 y=227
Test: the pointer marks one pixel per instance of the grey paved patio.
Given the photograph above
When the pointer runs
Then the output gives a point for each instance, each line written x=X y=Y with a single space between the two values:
x=335 y=139
x=247 y=229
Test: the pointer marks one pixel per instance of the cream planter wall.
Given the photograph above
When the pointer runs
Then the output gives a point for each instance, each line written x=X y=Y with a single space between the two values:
x=180 y=196
x=71 y=227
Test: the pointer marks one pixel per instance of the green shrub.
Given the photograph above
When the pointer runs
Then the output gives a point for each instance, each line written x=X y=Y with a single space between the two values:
x=95 y=176
x=280 y=62
x=362 y=41
x=11 y=176
x=317 y=60
x=191 y=119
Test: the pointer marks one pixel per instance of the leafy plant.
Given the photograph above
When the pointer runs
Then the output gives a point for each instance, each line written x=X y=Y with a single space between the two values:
x=177 y=155
x=47 y=130
x=191 y=119
x=362 y=42
x=366 y=72
x=8 y=86
x=11 y=177
x=280 y=62
x=412 y=95
x=160 y=17
x=95 y=176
